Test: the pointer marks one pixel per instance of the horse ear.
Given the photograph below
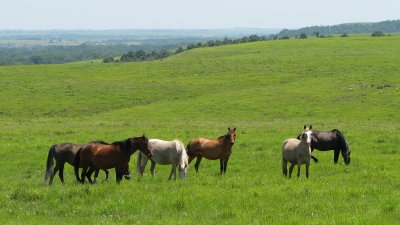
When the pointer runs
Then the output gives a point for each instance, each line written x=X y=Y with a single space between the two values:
x=305 y=127
x=229 y=128
x=310 y=127
x=234 y=129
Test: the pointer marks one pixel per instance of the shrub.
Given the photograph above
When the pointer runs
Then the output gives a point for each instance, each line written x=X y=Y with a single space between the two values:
x=377 y=33
x=344 y=35
x=108 y=60
x=303 y=36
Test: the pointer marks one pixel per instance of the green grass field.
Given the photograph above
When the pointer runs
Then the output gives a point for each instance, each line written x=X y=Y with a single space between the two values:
x=267 y=90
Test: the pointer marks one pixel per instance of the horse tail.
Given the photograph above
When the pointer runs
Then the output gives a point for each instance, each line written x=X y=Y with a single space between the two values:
x=76 y=164
x=139 y=162
x=50 y=162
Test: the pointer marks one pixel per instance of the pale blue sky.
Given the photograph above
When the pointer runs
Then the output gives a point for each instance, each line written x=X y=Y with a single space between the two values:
x=166 y=14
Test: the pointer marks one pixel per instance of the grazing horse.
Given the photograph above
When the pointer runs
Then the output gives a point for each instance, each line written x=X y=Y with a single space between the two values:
x=297 y=152
x=220 y=148
x=117 y=155
x=165 y=153
x=63 y=153
x=330 y=140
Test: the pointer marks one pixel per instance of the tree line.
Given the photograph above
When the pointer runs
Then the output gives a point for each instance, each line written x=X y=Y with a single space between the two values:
x=140 y=55
x=389 y=26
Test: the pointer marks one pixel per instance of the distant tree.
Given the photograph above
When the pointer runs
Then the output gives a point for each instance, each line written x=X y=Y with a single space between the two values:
x=284 y=37
x=377 y=33
x=179 y=50
x=37 y=59
x=316 y=33
x=108 y=60
x=303 y=36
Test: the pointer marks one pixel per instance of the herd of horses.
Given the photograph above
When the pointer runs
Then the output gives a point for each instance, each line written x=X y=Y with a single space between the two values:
x=99 y=155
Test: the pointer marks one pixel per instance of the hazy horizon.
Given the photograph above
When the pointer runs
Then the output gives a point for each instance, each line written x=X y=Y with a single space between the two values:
x=190 y=15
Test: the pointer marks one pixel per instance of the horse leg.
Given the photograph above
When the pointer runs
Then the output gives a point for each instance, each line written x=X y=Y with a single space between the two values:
x=107 y=173
x=307 y=169
x=89 y=174
x=152 y=168
x=197 y=164
x=298 y=169
x=61 y=173
x=118 y=175
x=221 y=165
x=336 y=156
x=291 y=170
x=54 y=172
x=96 y=174
x=127 y=174
x=83 y=174
x=314 y=158
x=143 y=164
x=173 y=171
x=226 y=164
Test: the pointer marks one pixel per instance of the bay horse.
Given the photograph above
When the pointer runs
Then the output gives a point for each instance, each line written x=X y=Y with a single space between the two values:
x=220 y=148
x=330 y=140
x=297 y=152
x=116 y=155
x=165 y=153
x=63 y=153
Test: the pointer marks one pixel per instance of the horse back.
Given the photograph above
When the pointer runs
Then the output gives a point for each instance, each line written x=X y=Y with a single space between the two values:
x=66 y=152
x=325 y=140
x=208 y=148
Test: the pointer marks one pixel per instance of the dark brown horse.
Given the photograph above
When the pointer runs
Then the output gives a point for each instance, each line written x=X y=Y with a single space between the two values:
x=117 y=155
x=220 y=148
x=330 y=140
x=63 y=153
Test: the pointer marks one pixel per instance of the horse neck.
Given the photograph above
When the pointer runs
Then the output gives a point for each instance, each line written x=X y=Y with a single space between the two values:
x=303 y=145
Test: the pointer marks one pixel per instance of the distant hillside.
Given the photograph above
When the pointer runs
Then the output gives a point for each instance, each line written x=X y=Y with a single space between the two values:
x=389 y=26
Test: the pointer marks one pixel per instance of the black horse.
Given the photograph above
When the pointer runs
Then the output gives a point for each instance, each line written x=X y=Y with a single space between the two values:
x=330 y=140
x=63 y=153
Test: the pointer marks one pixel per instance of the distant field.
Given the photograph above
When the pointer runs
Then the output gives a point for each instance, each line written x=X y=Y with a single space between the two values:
x=267 y=90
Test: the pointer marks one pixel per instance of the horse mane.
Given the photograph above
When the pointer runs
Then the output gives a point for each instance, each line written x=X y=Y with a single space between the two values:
x=99 y=142
x=121 y=144
x=343 y=143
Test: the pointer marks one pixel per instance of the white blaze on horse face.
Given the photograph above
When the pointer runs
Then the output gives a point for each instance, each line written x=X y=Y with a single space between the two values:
x=308 y=133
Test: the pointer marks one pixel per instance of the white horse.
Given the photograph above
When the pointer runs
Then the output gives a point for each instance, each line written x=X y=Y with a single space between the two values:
x=297 y=152
x=165 y=153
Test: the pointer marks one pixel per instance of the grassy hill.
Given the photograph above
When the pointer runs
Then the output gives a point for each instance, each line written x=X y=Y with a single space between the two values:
x=268 y=90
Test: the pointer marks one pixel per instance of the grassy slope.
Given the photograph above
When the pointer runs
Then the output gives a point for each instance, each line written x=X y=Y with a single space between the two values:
x=268 y=90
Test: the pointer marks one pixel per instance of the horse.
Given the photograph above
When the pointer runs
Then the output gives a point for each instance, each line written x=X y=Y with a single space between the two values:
x=165 y=153
x=330 y=140
x=297 y=152
x=63 y=153
x=220 y=148
x=116 y=155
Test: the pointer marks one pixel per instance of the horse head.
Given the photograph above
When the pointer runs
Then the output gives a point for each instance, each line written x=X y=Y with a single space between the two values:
x=230 y=137
x=346 y=154
x=306 y=135
x=142 y=143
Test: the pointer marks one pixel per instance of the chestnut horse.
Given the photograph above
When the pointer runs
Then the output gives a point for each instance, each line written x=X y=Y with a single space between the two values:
x=220 y=148
x=117 y=155
x=63 y=153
